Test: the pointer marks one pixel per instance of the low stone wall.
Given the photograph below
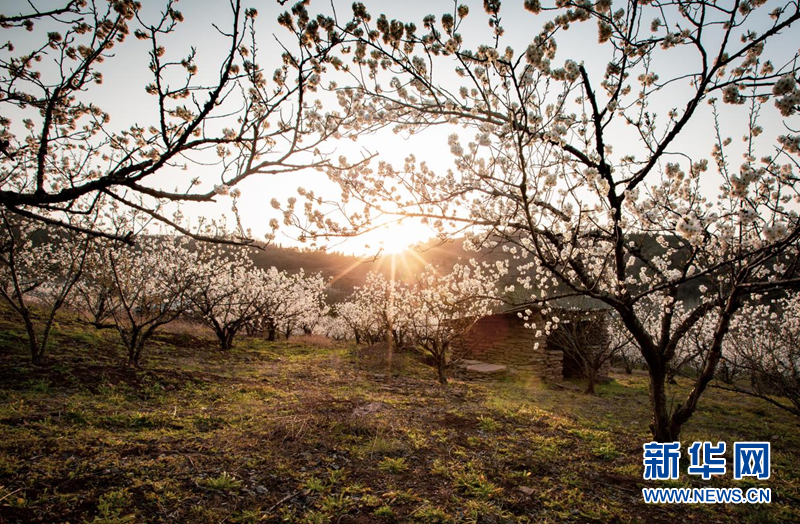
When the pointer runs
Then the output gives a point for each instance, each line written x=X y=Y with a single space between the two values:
x=504 y=339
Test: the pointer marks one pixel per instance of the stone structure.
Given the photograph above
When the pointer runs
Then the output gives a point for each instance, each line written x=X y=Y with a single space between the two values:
x=503 y=339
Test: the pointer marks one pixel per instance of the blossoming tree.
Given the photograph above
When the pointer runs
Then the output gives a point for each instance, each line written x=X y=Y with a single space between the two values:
x=60 y=151
x=615 y=177
x=39 y=268
x=93 y=297
x=225 y=292
x=441 y=307
x=286 y=301
x=380 y=302
x=150 y=283
x=353 y=321
x=305 y=304
x=763 y=353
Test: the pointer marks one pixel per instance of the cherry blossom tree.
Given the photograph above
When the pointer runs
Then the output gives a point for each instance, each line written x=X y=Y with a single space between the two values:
x=287 y=301
x=61 y=153
x=354 y=321
x=377 y=312
x=151 y=283
x=584 y=338
x=305 y=304
x=441 y=308
x=600 y=176
x=224 y=293
x=38 y=270
x=382 y=299
x=332 y=326
x=763 y=353
x=93 y=297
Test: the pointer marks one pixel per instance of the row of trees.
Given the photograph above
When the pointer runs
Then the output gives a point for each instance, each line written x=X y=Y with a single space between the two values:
x=138 y=289
x=430 y=313
x=763 y=357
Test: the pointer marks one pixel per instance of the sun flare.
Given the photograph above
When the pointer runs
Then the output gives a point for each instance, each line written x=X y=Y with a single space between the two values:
x=396 y=238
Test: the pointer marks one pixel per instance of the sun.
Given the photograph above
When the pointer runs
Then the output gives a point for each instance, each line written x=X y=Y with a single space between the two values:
x=398 y=237
x=393 y=238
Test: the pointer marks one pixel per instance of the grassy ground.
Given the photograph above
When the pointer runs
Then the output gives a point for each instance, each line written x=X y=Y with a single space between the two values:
x=272 y=432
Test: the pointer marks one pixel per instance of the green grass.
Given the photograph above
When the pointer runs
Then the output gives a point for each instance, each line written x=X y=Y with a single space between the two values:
x=267 y=433
x=223 y=482
x=475 y=485
x=393 y=465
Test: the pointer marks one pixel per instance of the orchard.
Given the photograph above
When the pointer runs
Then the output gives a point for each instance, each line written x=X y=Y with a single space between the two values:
x=252 y=199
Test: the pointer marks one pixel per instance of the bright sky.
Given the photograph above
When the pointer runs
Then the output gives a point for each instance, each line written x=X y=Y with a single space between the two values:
x=123 y=96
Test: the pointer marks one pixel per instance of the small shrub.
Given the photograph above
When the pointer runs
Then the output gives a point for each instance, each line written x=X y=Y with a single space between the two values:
x=224 y=482
x=487 y=424
x=379 y=445
x=428 y=514
x=485 y=511
x=335 y=476
x=77 y=418
x=315 y=485
x=475 y=485
x=335 y=504
x=371 y=501
x=384 y=511
x=316 y=517
x=110 y=508
x=439 y=468
x=393 y=465
x=8 y=465
x=605 y=451
x=41 y=387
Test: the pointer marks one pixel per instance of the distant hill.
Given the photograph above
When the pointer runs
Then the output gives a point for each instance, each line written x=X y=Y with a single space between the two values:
x=348 y=271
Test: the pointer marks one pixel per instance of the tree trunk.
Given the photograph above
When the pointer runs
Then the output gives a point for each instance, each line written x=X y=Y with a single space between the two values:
x=672 y=372
x=37 y=352
x=37 y=349
x=661 y=426
x=591 y=380
x=686 y=409
x=440 y=370
x=134 y=344
x=627 y=364
x=225 y=337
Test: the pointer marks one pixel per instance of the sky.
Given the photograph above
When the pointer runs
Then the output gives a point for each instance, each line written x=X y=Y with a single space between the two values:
x=123 y=96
